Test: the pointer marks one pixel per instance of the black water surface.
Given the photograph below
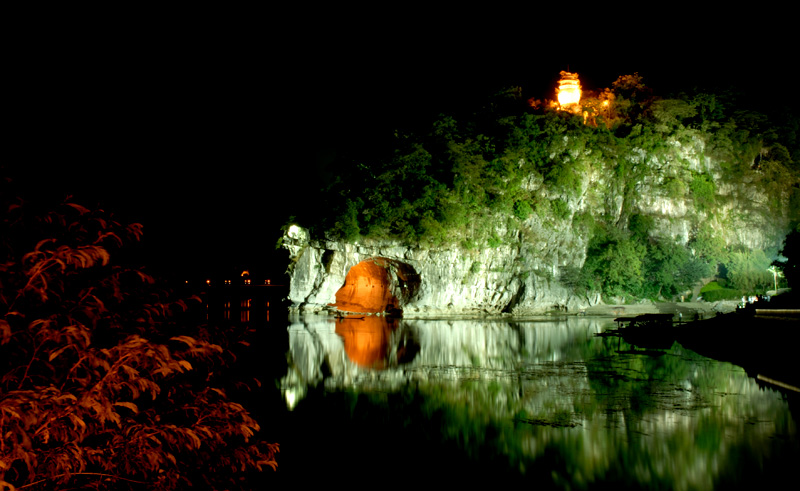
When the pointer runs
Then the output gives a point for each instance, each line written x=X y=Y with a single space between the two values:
x=543 y=402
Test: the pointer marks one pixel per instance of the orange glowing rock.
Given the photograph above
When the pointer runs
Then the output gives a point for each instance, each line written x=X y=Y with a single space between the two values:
x=366 y=289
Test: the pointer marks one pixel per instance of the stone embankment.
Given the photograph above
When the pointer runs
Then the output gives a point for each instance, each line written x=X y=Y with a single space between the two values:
x=689 y=310
x=426 y=283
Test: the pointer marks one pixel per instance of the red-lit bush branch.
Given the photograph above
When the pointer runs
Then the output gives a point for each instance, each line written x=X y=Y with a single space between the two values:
x=100 y=386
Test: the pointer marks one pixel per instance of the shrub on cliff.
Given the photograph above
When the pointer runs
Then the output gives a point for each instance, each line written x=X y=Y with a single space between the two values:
x=748 y=271
x=713 y=292
x=100 y=387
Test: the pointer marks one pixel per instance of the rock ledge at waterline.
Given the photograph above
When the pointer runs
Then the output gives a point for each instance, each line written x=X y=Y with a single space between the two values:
x=522 y=275
x=436 y=282
x=444 y=283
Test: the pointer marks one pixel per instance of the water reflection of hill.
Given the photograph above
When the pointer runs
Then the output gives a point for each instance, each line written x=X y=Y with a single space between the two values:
x=545 y=399
x=324 y=348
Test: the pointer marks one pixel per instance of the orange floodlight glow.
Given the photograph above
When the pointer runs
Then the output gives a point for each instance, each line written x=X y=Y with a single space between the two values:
x=569 y=90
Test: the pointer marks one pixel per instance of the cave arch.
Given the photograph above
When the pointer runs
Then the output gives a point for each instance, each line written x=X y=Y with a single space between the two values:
x=378 y=285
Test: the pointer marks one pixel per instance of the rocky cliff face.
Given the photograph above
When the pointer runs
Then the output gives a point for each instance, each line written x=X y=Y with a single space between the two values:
x=437 y=282
x=522 y=275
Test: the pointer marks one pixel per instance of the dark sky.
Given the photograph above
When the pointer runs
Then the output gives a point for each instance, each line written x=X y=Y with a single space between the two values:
x=208 y=128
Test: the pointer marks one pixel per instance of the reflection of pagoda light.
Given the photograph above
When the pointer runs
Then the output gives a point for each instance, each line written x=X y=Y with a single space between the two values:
x=291 y=398
x=569 y=89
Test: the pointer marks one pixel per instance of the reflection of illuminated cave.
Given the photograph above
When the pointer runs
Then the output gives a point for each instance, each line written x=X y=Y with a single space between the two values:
x=374 y=341
x=377 y=285
x=366 y=340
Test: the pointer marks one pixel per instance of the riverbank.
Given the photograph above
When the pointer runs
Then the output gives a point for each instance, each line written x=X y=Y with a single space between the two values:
x=688 y=310
x=762 y=337
x=763 y=342
x=683 y=311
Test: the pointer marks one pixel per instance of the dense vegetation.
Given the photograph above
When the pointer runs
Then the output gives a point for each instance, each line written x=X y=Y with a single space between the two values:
x=499 y=174
x=104 y=384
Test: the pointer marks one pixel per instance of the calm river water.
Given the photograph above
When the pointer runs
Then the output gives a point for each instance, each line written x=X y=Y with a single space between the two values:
x=546 y=402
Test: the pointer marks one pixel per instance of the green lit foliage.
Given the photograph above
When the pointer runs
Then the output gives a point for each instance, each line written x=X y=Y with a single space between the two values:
x=708 y=246
x=713 y=292
x=670 y=114
x=567 y=140
x=747 y=270
x=102 y=386
x=522 y=210
x=641 y=226
x=632 y=262
x=630 y=86
x=787 y=132
x=631 y=97
x=346 y=226
x=703 y=191
x=401 y=199
x=511 y=164
x=578 y=279
x=710 y=110
x=560 y=209
x=791 y=251
x=737 y=143
x=675 y=188
x=671 y=269
x=614 y=263
x=525 y=141
x=623 y=267
x=773 y=171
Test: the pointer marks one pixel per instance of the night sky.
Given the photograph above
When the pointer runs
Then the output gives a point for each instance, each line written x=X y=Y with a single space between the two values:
x=210 y=128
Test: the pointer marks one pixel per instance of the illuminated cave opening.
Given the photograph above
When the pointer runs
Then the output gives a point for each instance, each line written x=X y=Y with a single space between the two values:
x=377 y=285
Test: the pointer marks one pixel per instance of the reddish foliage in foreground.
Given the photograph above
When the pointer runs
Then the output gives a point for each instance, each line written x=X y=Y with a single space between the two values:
x=100 y=387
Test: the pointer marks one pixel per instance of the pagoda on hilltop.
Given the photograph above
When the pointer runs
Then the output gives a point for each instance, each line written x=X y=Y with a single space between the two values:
x=569 y=92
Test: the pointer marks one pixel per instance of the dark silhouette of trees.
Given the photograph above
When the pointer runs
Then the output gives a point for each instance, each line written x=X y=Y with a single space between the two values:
x=791 y=251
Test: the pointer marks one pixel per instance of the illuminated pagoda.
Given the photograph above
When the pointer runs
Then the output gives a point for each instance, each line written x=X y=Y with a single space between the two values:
x=569 y=92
